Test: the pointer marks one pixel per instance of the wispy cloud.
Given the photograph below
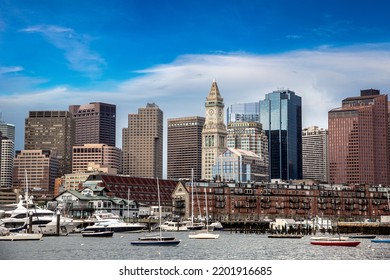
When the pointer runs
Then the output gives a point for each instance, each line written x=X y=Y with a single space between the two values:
x=14 y=80
x=332 y=28
x=10 y=69
x=294 y=36
x=322 y=77
x=76 y=48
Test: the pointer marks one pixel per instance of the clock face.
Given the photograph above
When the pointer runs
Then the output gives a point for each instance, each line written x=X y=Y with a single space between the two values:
x=211 y=112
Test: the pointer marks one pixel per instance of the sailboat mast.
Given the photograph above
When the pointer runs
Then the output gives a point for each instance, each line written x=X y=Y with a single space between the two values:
x=128 y=203
x=192 y=196
x=159 y=204
x=26 y=197
x=207 y=213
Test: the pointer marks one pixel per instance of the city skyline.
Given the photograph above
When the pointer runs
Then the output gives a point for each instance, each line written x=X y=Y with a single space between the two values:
x=131 y=53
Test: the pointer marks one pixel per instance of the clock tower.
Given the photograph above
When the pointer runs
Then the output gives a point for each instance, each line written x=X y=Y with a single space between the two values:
x=214 y=132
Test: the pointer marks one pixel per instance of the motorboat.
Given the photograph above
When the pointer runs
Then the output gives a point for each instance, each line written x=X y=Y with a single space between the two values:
x=173 y=226
x=191 y=225
x=91 y=233
x=42 y=220
x=115 y=225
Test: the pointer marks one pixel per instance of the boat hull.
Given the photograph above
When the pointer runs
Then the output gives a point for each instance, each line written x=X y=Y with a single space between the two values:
x=285 y=236
x=381 y=240
x=22 y=237
x=335 y=243
x=203 y=236
x=362 y=236
x=156 y=238
x=97 y=233
x=116 y=227
x=155 y=242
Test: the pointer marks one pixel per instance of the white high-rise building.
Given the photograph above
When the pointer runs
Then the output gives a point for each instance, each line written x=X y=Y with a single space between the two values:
x=7 y=152
x=315 y=153
x=7 y=162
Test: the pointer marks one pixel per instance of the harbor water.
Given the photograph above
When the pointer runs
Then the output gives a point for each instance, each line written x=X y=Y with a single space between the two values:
x=229 y=246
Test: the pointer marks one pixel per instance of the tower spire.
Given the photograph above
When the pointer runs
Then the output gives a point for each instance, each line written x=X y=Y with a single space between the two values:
x=214 y=92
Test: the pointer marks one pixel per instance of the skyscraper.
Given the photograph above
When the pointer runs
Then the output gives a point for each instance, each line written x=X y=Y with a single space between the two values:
x=142 y=143
x=99 y=154
x=358 y=140
x=249 y=136
x=281 y=117
x=214 y=131
x=243 y=112
x=7 y=152
x=41 y=168
x=8 y=130
x=185 y=147
x=95 y=123
x=54 y=131
x=315 y=154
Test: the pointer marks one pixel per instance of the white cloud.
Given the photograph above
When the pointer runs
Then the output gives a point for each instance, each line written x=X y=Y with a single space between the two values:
x=321 y=77
x=75 y=47
x=10 y=69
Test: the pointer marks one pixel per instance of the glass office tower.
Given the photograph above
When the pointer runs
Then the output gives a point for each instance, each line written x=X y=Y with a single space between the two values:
x=243 y=112
x=281 y=116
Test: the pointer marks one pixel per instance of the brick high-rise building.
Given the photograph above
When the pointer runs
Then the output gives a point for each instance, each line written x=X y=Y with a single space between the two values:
x=358 y=140
x=95 y=123
x=41 y=168
x=54 y=131
x=142 y=143
x=185 y=147
x=99 y=154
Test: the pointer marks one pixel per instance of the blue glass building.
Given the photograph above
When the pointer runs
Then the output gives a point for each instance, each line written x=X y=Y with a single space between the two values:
x=281 y=116
x=243 y=112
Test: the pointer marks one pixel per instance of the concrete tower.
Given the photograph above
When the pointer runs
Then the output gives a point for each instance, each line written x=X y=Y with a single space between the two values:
x=214 y=131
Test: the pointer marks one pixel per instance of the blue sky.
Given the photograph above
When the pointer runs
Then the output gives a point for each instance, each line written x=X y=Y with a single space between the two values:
x=57 y=53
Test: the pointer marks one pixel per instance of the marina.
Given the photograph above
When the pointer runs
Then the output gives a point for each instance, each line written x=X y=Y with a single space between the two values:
x=229 y=246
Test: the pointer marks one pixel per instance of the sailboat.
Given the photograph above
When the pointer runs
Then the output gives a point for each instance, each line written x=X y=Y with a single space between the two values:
x=156 y=240
x=192 y=225
x=204 y=234
x=334 y=241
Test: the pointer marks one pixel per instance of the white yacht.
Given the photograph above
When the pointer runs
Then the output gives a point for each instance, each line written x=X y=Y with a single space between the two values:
x=173 y=226
x=115 y=225
x=43 y=220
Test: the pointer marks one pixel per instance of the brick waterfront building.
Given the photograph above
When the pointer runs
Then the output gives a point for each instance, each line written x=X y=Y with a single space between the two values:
x=256 y=202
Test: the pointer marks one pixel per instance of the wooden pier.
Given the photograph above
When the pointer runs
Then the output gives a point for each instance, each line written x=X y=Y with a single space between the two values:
x=365 y=228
